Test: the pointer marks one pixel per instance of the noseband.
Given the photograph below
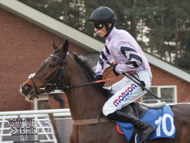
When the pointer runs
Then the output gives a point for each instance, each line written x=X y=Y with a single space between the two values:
x=54 y=85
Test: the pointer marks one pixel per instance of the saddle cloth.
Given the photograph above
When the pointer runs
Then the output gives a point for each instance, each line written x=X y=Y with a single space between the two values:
x=162 y=119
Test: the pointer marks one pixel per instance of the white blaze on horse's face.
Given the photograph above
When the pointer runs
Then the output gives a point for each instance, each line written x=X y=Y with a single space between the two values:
x=31 y=75
x=47 y=59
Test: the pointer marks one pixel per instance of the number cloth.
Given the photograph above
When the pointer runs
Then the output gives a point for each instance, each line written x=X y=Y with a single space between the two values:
x=162 y=119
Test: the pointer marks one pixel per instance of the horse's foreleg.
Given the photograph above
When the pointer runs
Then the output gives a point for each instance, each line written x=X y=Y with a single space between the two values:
x=74 y=136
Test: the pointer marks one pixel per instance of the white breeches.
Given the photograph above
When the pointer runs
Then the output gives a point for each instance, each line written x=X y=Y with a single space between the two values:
x=126 y=91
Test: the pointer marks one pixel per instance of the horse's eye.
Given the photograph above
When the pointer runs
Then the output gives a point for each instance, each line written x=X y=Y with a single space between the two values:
x=51 y=66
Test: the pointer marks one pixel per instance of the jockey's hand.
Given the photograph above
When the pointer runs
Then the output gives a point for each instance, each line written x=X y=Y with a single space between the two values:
x=99 y=77
x=114 y=63
x=115 y=71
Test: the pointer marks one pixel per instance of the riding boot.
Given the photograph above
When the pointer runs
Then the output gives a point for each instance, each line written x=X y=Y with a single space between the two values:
x=145 y=129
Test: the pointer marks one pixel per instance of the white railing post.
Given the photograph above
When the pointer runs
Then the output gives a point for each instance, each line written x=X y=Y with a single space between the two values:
x=39 y=116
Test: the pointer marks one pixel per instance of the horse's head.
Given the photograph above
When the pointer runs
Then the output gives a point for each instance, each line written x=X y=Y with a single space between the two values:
x=48 y=76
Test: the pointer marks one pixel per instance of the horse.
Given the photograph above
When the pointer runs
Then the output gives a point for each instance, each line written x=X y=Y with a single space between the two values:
x=66 y=71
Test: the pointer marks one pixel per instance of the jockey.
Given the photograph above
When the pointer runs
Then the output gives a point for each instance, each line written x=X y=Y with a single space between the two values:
x=124 y=49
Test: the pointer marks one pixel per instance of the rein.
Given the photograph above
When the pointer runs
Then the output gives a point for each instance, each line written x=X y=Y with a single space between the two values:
x=64 y=87
x=94 y=82
x=88 y=83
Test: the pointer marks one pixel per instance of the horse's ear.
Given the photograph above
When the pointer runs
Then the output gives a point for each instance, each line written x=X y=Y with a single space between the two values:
x=54 y=46
x=66 y=46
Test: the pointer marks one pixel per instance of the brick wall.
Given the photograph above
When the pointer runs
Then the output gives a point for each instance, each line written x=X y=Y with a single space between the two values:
x=23 y=47
x=55 y=104
x=161 y=77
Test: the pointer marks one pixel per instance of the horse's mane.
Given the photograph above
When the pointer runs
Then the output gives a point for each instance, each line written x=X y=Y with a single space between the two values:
x=84 y=64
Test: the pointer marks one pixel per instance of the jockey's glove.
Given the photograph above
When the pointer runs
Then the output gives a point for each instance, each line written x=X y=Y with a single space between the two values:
x=99 y=77
x=115 y=71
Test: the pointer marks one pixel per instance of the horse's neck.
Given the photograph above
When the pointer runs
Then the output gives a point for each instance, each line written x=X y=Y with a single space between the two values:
x=86 y=101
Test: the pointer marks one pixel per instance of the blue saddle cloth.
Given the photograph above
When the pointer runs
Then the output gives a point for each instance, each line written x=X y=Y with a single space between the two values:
x=162 y=119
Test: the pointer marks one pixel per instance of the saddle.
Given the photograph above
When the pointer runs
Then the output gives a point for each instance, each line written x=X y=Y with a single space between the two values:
x=138 y=109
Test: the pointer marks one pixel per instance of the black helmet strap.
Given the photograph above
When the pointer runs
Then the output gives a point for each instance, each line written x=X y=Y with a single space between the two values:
x=108 y=29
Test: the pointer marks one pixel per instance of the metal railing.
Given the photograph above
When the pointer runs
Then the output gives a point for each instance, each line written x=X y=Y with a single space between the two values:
x=32 y=126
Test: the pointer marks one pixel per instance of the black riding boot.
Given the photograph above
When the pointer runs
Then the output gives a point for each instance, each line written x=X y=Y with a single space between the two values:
x=145 y=129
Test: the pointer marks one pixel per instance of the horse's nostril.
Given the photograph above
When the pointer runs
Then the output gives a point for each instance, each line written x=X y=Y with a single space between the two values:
x=26 y=87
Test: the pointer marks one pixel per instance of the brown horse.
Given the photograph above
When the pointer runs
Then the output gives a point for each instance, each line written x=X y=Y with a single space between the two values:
x=65 y=71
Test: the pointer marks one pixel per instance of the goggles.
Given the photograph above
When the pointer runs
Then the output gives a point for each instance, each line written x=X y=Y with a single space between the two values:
x=99 y=25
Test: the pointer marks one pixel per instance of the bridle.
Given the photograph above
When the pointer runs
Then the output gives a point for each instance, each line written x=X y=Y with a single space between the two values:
x=62 y=72
x=47 y=83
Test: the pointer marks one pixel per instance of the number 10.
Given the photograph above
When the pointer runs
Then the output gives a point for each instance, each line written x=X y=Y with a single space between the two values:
x=164 y=127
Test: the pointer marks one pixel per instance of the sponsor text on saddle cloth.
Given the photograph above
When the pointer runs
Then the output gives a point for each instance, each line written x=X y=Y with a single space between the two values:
x=162 y=119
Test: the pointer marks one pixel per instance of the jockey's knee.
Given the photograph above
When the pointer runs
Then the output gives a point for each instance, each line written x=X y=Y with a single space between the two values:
x=106 y=110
